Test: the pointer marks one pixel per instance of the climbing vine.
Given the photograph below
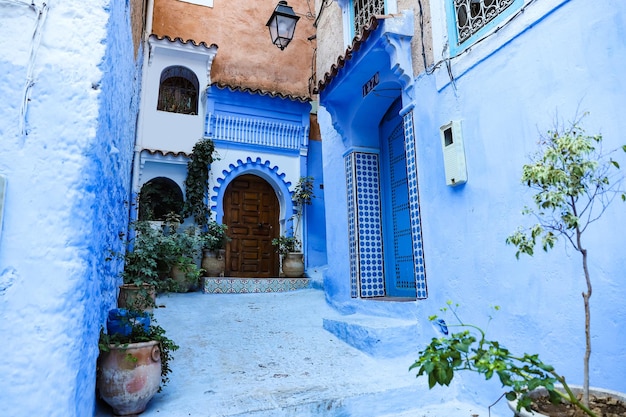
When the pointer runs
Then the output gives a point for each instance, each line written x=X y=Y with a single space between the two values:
x=197 y=182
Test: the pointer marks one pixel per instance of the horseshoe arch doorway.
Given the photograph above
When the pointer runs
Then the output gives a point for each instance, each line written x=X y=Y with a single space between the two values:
x=251 y=212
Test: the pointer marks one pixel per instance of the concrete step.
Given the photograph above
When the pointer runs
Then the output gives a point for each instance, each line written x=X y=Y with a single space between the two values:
x=392 y=403
x=381 y=337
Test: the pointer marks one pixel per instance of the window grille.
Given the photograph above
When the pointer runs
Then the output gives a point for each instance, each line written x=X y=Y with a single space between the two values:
x=473 y=15
x=363 y=12
x=178 y=91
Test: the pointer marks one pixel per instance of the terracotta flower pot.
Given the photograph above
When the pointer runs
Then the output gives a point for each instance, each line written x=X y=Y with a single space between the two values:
x=134 y=297
x=183 y=284
x=129 y=376
x=213 y=263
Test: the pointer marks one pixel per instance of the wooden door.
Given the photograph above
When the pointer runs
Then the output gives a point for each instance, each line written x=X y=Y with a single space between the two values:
x=251 y=213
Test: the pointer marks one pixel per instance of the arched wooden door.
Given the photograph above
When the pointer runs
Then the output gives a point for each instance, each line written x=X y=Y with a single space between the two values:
x=251 y=212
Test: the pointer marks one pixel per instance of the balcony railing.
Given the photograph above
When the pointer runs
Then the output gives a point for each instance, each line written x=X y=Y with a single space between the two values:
x=251 y=131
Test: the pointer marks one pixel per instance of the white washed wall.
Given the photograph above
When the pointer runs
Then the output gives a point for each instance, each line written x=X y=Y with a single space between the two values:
x=68 y=180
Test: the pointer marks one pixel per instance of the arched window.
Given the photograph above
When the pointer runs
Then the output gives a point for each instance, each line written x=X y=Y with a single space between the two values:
x=178 y=91
x=158 y=198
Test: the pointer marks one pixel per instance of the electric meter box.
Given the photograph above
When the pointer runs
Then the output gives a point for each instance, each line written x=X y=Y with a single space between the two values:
x=453 y=153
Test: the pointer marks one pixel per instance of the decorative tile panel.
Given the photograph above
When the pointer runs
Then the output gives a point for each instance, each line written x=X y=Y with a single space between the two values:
x=365 y=226
x=253 y=285
x=414 y=208
x=352 y=239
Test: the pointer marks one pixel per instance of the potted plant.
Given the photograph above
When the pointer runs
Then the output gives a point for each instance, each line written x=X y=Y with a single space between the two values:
x=303 y=195
x=214 y=241
x=574 y=183
x=185 y=274
x=142 y=268
x=180 y=248
x=134 y=361
x=289 y=246
x=292 y=258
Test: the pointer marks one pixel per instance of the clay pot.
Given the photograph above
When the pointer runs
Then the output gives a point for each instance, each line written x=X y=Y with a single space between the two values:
x=213 y=263
x=293 y=265
x=183 y=284
x=135 y=297
x=129 y=376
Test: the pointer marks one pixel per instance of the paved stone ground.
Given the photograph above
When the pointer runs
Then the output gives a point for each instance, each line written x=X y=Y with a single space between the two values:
x=268 y=355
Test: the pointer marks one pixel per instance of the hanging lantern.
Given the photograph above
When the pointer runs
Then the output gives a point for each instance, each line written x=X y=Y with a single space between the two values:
x=282 y=24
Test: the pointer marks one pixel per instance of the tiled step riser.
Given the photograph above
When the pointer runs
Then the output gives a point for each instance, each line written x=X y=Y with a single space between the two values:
x=223 y=285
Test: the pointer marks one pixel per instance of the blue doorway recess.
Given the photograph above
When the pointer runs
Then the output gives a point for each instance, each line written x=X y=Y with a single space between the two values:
x=397 y=241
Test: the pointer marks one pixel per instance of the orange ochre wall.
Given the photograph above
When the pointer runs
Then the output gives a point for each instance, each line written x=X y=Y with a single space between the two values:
x=246 y=56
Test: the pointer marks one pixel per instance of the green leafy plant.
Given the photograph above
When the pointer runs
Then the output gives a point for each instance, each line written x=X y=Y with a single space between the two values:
x=286 y=244
x=302 y=195
x=140 y=334
x=191 y=273
x=154 y=250
x=214 y=238
x=574 y=183
x=158 y=198
x=470 y=350
x=197 y=182
x=141 y=259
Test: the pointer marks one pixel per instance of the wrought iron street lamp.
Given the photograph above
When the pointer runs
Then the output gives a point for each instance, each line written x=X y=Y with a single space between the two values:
x=282 y=24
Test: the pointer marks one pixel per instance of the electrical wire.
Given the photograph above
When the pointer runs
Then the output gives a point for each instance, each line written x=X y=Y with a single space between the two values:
x=421 y=11
x=309 y=15
x=447 y=61
x=42 y=13
x=325 y=5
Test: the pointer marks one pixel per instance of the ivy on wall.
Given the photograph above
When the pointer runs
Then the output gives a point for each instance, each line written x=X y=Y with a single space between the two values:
x=197 y=182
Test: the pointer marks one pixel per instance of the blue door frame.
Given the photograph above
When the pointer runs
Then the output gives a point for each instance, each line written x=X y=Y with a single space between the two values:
x=397 y=240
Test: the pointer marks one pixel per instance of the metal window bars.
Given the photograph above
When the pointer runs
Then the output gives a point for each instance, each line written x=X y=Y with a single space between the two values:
x=473 y=15
x=363 y=12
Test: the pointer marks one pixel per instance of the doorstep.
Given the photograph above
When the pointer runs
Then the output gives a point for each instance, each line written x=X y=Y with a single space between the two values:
x=229 y=285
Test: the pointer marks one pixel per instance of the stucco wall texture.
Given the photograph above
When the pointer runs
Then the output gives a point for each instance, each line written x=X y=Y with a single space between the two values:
x=554 y=62
x=246 y=56
x=68 y=182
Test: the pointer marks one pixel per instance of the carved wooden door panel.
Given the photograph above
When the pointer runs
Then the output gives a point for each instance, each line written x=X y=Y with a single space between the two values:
x=251 y=213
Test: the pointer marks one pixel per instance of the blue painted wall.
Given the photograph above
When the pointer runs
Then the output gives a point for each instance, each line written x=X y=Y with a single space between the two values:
x=315 y=213
x=66 y=203
x=553 y=63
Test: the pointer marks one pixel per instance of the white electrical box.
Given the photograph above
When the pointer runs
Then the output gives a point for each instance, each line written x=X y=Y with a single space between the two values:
x=453 y=153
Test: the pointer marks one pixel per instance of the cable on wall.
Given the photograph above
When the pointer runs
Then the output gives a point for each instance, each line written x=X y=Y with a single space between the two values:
x=447 y=61
x=325 y=5
x=42 y=12
x=421 y=11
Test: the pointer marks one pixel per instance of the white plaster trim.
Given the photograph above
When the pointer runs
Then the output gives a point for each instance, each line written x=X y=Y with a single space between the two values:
x=189 y=49
x=207 y=3
x=184 y=47
x=476 y=53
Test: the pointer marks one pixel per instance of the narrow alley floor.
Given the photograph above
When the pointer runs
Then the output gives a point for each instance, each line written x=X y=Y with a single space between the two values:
x=267 y=354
